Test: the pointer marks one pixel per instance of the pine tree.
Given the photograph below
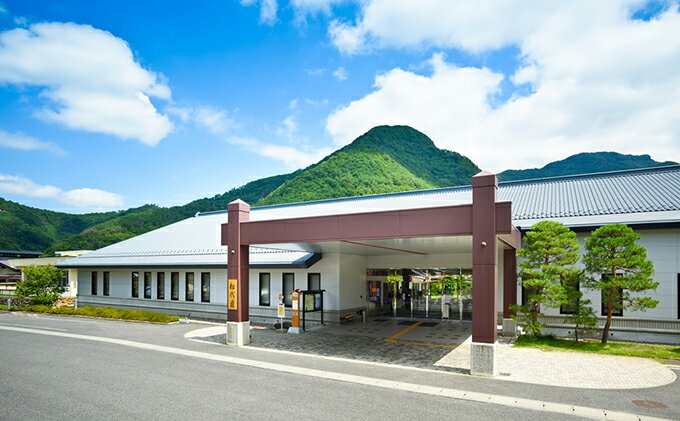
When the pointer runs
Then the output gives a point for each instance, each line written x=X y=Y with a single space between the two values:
x=619 y=268
x=549 y=250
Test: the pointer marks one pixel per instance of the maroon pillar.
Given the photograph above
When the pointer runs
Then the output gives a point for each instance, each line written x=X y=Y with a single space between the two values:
x=238 y=260
x=509 y=281
x=484 y=257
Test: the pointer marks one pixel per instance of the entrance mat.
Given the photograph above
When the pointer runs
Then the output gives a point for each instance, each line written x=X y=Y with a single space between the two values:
x=429 y=324
x=407 y=322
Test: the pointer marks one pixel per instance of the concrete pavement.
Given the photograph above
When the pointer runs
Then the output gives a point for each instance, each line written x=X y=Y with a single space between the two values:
x=172 y=336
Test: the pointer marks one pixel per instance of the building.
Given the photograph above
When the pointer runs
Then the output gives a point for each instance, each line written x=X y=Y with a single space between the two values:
x=20 y=262
x=353 y=247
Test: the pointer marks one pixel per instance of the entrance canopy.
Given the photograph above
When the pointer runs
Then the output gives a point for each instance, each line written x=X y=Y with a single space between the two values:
x=480 y=227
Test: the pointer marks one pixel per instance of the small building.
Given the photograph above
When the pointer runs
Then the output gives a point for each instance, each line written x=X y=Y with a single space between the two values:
x=70 y=277
x=9 y=277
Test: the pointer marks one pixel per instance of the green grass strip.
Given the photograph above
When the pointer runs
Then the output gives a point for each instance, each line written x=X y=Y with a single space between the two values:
x=102 y=312
x=627 y=349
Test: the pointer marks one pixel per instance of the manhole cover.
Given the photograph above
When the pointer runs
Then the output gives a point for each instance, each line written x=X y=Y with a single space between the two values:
x=649 y=404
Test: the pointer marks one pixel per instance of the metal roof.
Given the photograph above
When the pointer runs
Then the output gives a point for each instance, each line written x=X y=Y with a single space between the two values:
x=640 y=196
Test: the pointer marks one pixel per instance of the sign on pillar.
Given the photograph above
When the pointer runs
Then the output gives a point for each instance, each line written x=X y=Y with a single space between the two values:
x=295 y=312
x=232 y=295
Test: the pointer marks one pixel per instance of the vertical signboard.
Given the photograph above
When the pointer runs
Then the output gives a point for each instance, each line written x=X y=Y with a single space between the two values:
x=232 y=295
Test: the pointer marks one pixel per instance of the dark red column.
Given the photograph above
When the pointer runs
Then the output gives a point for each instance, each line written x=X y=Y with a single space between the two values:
x=238 y=260
x=509 y=281
x=484 y=257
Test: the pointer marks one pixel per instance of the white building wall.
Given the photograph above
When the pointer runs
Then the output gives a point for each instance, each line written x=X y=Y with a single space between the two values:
x=663 y=249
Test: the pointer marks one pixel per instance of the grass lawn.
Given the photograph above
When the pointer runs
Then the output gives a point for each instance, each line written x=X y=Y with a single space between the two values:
x=628 y=349
x=103 y=312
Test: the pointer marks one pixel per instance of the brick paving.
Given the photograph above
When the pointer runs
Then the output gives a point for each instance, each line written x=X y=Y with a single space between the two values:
x=445 y=346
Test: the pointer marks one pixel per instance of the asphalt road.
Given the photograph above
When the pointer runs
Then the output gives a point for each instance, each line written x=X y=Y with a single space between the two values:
x=48 y=377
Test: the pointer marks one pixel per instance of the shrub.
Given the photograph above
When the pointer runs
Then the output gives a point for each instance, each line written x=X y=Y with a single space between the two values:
x=103 y=312
x=41 y=284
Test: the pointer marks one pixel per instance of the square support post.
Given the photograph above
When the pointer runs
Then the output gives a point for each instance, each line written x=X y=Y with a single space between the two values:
x=509 y=290
x=238 y=321
x=484 y=275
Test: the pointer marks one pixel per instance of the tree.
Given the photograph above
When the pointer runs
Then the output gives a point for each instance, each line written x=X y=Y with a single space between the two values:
x=619 y=268
x=41 y=283
x=583 y=318
x=549 y=250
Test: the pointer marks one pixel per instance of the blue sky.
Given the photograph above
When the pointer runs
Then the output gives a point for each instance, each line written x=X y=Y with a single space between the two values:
x=110 y=105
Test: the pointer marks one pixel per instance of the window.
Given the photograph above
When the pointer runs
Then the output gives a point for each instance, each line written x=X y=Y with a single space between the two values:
x=678 y=291
x=135 y=284
x=313 y=281
x=147 y=284
x=174 y=286
x=526 y=292
x=288 y=287
x=617 y=308
x=572 y=306
x=64 y=279
x=93 y=284
x=160 y=285
x=189 y=286
x=205 y=287
x=265 y=283
x=106 y=284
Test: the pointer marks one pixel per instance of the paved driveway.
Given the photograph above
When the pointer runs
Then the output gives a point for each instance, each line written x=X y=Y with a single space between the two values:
x=446 y=346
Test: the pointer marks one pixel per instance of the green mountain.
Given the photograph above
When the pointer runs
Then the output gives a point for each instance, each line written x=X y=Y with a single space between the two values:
x=385 y=159
x=26 y=228
x=584 y=163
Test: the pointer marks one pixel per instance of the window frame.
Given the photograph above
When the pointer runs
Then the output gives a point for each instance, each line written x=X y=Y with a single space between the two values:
x=93 y=283
x=603 y=307
x=106 y=287
x=287 y=298
x=268 y=302
x=189 y=291
x=203 y=287
x=174 y=286
x=309 y=280
x=567 y=311
x=160 y=285
x=148 y=285
x=134 y=286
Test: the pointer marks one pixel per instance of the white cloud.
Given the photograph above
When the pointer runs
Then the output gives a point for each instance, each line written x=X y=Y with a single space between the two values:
x=292 y=157
x=82 y=198
x=340 y=73
x=86 y=198
x=598 y=81
x=268 y=10
x=23 y=186
x=23 y=142
x=90 y=77
x=213 y=119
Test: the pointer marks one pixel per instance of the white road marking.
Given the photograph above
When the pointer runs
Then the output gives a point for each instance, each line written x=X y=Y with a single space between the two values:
x=560 y=408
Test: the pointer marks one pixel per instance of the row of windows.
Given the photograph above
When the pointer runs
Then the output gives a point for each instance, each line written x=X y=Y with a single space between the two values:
x=174 y=286
x=160 y=285
x=287 y=286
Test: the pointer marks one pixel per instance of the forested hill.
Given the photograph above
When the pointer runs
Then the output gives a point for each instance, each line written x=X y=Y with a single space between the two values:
x=584 y=163
x=385 y=159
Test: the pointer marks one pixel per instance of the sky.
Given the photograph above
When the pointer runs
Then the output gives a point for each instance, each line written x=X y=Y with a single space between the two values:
x=112 y=105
